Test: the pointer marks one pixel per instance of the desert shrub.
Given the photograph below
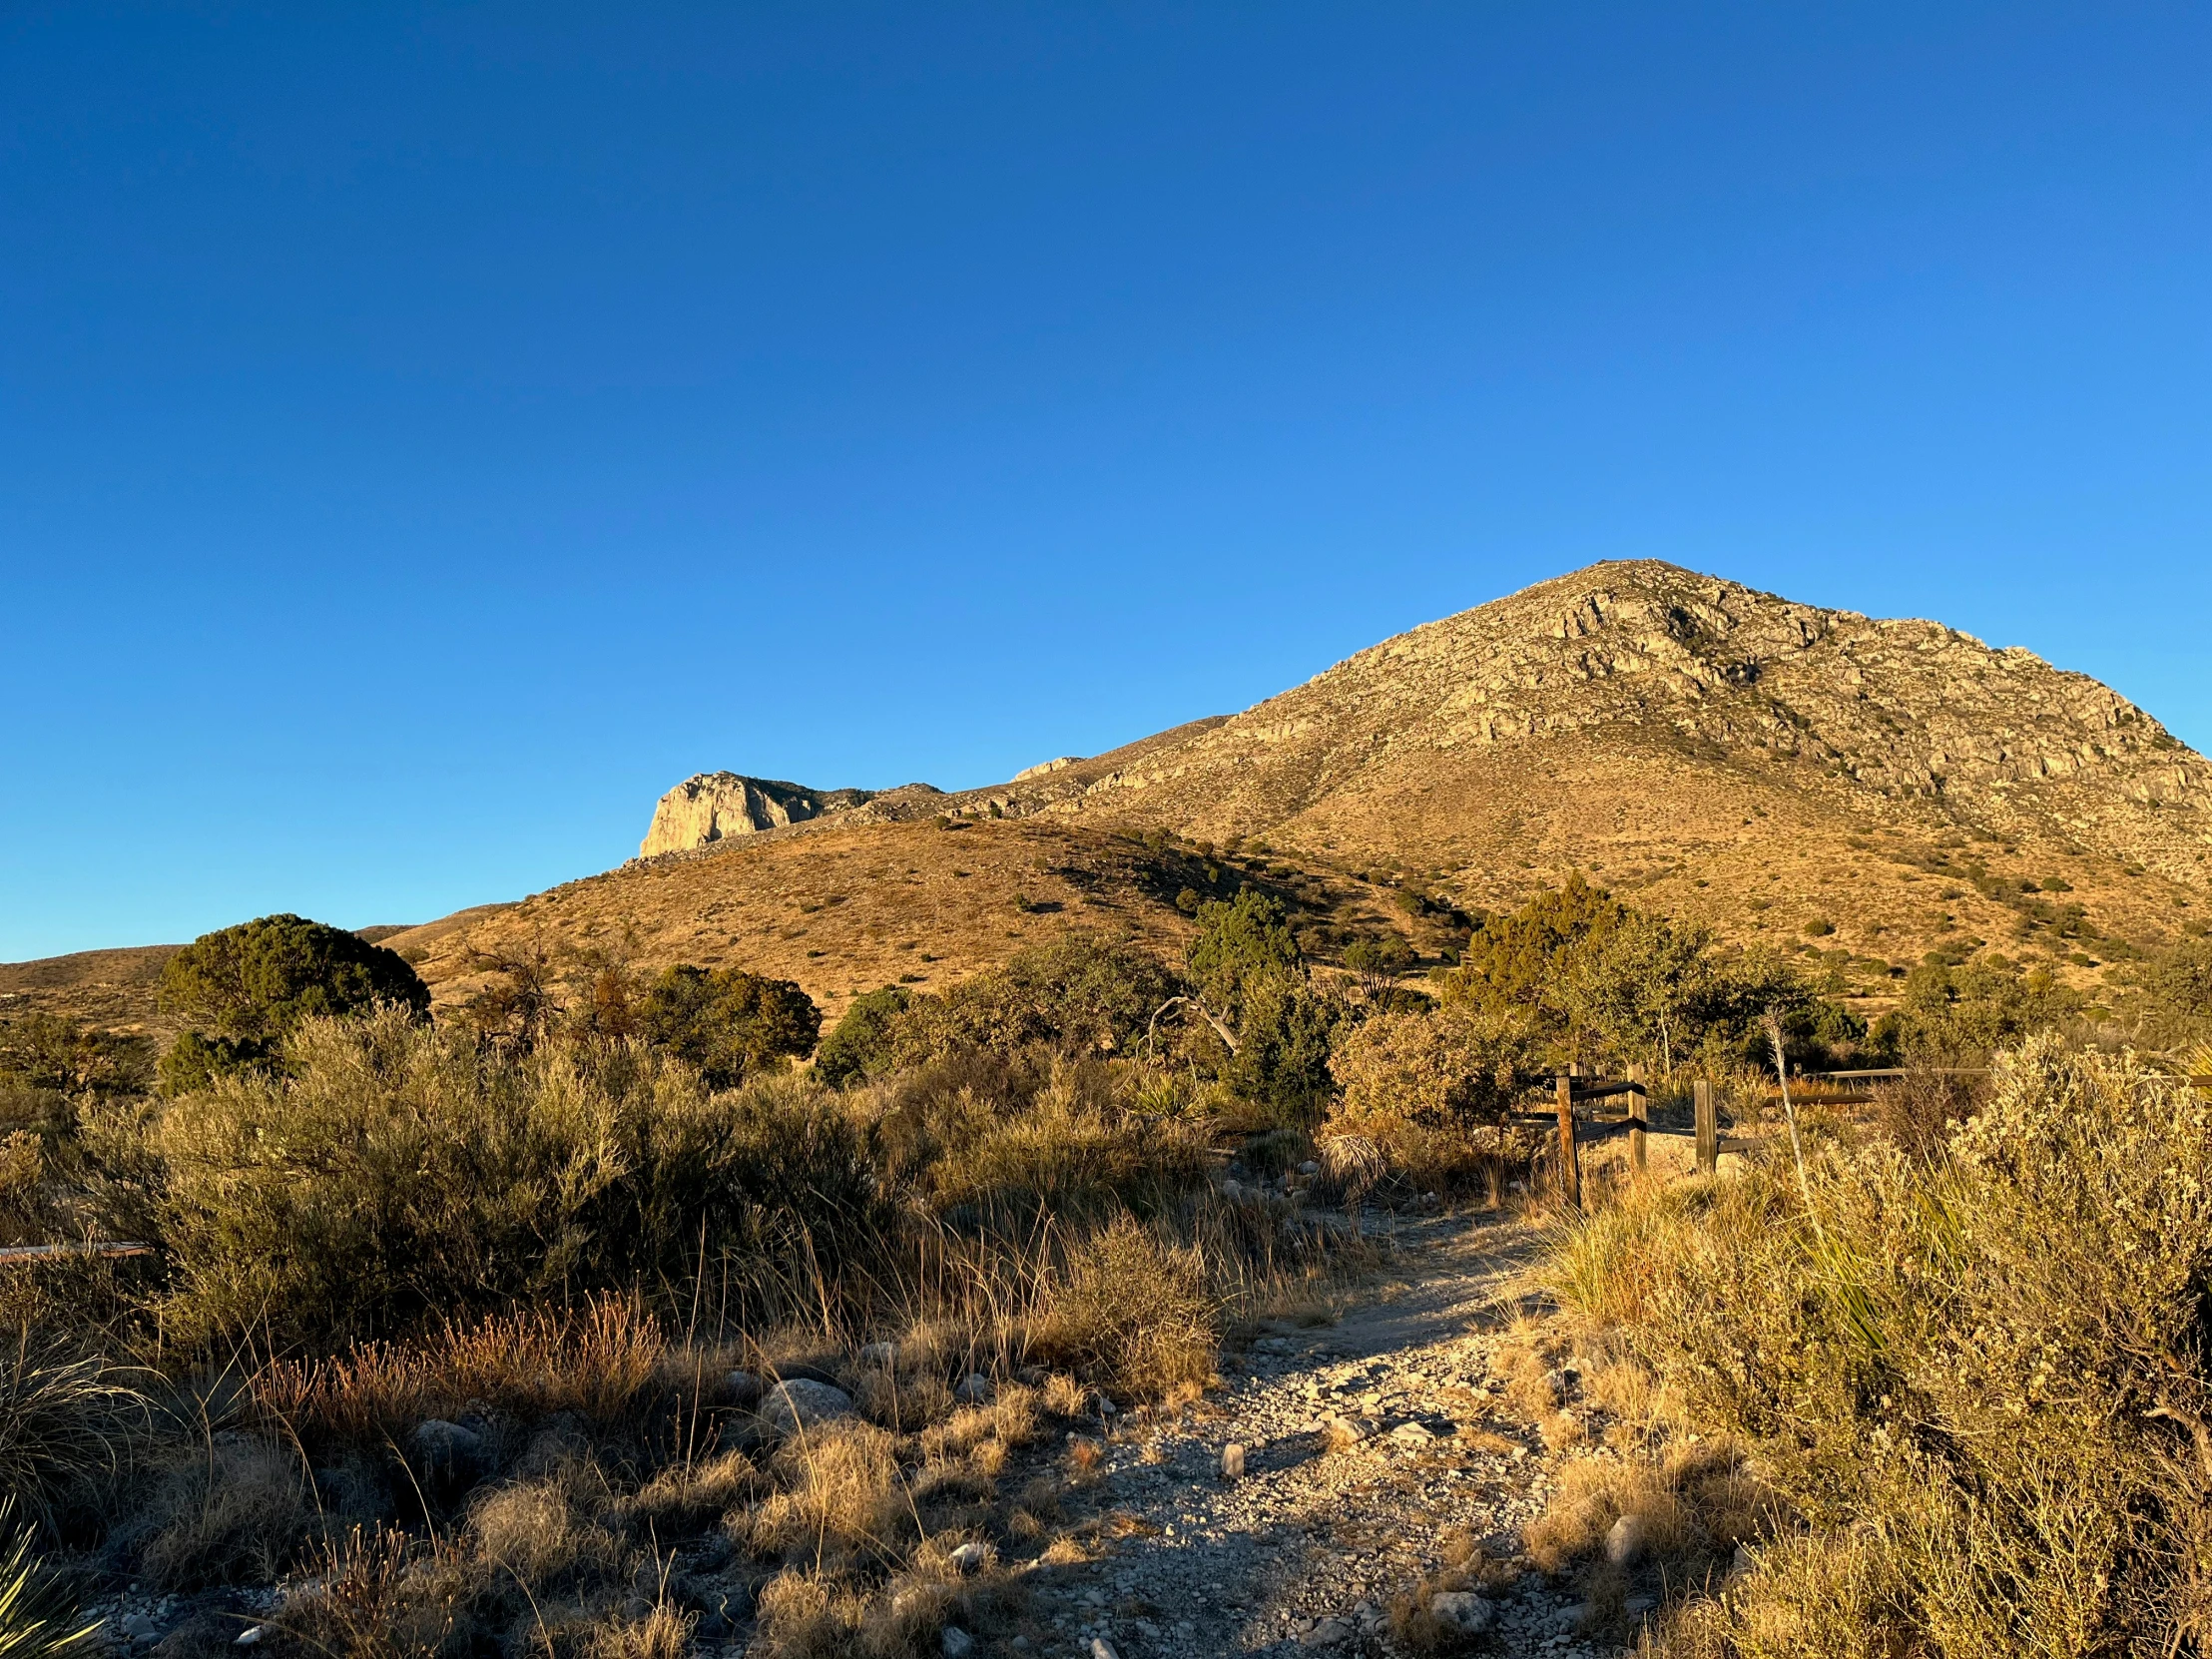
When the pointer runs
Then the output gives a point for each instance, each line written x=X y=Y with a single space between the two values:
x=395 y=1171
x=230 y=1511
x=1919 y=1110
x=1431 y=1093
x=242 y=989
x=1285 y=1033
x=862 y=1044
x=1992 y=1365
x=1078 y=994
x=1067 y=1153
x=1958 y=1013
x=38 y=1617
x=1133 y=1314
x=728 y=1023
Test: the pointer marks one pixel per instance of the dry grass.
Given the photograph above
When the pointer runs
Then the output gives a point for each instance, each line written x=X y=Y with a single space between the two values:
x=542 y=1534
x=841 y=1499
x=598 y=1360
x=1133 y=1312
x=67 y=1426
x=232 y=1510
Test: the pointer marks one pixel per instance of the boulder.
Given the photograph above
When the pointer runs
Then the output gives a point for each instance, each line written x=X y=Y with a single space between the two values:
x=447 y=1458
x=802 y=1403
x=1461 y=1610
x=1626 y=1542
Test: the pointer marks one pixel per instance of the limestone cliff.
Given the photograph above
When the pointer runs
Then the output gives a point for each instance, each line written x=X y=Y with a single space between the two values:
x=716 y=805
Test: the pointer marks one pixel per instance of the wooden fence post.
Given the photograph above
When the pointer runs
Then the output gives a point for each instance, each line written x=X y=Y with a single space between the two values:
x=1708 y=1128
x=1639 y=1119
x=1570 y=1167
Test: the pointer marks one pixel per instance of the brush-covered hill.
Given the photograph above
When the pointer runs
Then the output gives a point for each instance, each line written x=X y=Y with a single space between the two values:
x=1713 y=750
x=1859 y=791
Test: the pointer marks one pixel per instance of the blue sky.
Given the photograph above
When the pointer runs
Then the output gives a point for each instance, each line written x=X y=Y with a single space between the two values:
x=426 y=433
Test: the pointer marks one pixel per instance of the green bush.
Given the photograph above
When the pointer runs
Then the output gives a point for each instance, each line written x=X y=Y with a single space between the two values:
x=1078 y=994
x=863 y=1044
x=728 y=1023
x=393 y=1170
x=38 y=1617
x=242 y=989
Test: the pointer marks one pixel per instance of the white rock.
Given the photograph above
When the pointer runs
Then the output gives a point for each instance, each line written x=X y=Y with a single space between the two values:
x=1411 y=1435
x=1232 y=1461
x=1624 y=1545
x=954 y=1642
x=1461 y=1610
x=803 y=1403
x=248 y=1636
x=972 y=1389
x=1101 y=1648
x=969 y=1558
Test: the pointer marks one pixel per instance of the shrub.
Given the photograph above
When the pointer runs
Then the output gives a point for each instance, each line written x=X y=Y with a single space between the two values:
x=862 y=1045
x=38 y=1617
x=240 y=989
x=1078 y=994
x=1431 y=1093
x=728 y=1023
x=1133 y=1314
x=1991 y=1366
x=396 y=1172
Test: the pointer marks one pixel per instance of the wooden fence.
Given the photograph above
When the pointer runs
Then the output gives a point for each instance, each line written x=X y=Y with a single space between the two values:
x=1571 y=1091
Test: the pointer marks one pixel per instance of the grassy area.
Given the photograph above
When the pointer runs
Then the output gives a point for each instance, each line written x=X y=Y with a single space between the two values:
x=562 y=1351
x=1957 y=1393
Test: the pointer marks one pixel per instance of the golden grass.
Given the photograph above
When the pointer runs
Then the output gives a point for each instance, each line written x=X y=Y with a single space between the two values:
x=598 y=1360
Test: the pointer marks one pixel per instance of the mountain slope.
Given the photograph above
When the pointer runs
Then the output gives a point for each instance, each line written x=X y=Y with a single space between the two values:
x=1759 y=762
x=1859 y=791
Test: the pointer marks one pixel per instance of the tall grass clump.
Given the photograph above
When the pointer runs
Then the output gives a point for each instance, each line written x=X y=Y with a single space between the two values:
x=391 y=1172
x=1979 y=1375
x=68 y=1424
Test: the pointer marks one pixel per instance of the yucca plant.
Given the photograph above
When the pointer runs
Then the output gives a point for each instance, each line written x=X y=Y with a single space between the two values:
x=39 y=1619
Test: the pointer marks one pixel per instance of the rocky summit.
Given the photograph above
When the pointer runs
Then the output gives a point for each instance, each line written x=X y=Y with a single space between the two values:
x=712 y=807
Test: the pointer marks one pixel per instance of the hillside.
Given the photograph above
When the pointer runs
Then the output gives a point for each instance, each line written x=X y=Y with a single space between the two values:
x=845 y=908
x=1863 y=792
x=1714 y=751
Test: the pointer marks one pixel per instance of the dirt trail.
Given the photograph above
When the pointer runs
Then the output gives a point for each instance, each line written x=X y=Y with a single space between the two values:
x=1306 y=1552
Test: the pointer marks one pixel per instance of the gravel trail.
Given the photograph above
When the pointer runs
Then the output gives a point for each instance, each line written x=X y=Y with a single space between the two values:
x=1307 y=1550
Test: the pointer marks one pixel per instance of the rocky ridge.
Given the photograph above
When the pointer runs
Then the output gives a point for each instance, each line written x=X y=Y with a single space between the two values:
x=1883 y=714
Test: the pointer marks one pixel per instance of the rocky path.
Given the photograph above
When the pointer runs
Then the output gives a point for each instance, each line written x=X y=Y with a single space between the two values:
x=1308 y=1549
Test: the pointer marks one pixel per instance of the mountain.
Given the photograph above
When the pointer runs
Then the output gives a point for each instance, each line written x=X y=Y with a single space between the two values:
x=1859 y=791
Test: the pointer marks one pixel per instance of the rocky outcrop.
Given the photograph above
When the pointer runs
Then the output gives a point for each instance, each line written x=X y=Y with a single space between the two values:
x=716 y=805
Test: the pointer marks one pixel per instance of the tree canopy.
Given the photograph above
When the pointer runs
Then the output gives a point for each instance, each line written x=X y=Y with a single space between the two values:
x=240 y=989
x=258 y=979
x=728 y=1023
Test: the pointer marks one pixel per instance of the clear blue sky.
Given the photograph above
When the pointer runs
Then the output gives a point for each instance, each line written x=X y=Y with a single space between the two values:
x=426 y=433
